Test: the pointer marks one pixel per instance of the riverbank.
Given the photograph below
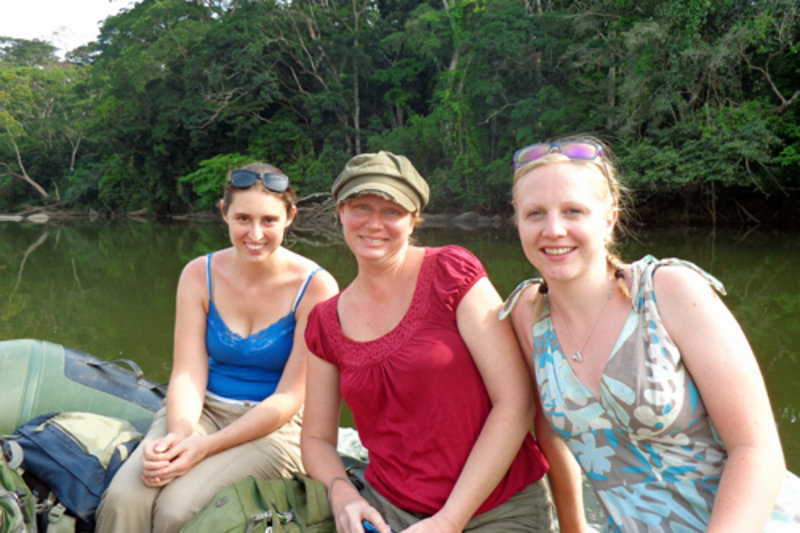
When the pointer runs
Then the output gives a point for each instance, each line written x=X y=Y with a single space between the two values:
x=738 y=209
x=317 y=212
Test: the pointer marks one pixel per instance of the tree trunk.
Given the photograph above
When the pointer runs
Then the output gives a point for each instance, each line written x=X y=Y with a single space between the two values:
x=23 y=173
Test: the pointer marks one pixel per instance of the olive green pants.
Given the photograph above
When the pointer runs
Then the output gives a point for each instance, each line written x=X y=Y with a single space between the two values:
x=130 y=506
x=529 y=510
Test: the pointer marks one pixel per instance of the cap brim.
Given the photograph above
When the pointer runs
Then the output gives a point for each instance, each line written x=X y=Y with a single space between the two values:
x=382 y=188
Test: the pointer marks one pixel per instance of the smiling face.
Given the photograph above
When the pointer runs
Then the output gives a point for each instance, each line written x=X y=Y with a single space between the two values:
x=565 y=218
x=375 y=227
x=257 y=221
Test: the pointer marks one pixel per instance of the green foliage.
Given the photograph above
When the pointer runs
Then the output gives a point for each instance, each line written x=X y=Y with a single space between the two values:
x=698 y=97
x=728 y=151
x=208 y=181
x=40 y=127
x=25 y=53
x=83 y=185
x=789 y=155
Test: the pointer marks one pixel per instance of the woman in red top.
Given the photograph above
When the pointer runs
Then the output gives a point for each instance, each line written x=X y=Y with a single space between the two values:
x=435 y=382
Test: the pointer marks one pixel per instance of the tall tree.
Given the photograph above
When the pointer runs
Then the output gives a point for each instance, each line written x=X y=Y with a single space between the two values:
x=138 y=78
x=40 y=125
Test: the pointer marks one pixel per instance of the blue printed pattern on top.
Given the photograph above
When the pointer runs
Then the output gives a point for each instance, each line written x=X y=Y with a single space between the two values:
x=646 y=443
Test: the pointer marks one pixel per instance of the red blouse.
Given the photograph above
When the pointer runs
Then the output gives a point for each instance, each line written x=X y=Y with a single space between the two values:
x=417 y=398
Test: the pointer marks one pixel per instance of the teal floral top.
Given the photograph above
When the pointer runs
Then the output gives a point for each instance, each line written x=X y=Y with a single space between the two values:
x=646 y=443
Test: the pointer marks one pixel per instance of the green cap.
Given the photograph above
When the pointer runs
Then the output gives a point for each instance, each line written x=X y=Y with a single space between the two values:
x=385 y=174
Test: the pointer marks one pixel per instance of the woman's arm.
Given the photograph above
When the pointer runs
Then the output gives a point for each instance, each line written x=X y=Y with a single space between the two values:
x=318 y=447
x=497 y=357
x=188 y=379
x=187 y=383
x=564 y=473
x=564 y=476
x=724 y=368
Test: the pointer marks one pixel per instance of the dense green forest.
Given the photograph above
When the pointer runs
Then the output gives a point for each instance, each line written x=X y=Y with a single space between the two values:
x=698 y=98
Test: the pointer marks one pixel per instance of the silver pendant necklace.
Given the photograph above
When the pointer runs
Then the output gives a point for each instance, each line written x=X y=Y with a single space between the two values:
x=577 y=356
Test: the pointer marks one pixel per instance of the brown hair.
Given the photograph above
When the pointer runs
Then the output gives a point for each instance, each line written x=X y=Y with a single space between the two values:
x=289 y=196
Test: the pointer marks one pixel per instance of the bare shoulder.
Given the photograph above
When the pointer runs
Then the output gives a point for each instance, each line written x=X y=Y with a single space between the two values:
x=675 y=284
x=192 y=291
x=218 y=262
x=322 y=280
x=194 y=272
x=296 y=262
x=321 y=287
x=688 y=305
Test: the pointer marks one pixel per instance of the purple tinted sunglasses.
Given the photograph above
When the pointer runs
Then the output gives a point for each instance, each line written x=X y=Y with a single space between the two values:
x=586 y=150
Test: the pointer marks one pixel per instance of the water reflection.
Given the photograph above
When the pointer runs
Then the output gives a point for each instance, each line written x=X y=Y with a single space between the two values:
x=109 y=288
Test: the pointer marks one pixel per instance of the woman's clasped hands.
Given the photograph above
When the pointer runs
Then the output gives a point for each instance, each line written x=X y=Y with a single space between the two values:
x=170 y=457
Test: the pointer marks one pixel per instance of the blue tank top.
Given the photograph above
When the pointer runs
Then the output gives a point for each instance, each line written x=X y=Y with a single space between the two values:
x=248 y=368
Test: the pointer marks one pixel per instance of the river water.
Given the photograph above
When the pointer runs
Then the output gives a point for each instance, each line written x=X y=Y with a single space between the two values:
x=108 y=288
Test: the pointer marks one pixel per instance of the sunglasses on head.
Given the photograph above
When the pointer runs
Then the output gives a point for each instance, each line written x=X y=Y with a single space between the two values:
x=586 y=150
x=244 y=178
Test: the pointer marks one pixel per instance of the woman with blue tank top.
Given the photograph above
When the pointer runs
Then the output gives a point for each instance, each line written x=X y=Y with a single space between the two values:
x=238 y=378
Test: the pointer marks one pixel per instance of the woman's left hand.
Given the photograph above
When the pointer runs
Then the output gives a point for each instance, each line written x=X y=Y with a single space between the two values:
x=184 y=456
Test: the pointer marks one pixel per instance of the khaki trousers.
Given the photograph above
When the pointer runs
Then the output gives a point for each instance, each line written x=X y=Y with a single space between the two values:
x=129 y=506
x=529 y=510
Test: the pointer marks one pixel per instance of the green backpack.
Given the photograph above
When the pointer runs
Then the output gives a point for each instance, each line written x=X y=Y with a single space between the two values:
x=17 y=504
x=252 y=505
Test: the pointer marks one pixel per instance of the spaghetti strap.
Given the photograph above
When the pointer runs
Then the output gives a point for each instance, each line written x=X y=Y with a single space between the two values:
x=208 y=275
x=302 y=290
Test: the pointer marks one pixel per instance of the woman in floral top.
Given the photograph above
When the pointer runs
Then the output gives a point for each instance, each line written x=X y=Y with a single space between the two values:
x=643 y=374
